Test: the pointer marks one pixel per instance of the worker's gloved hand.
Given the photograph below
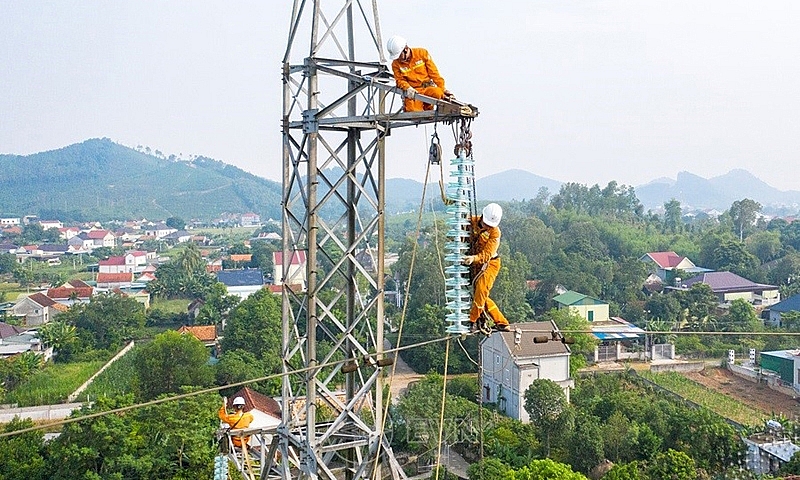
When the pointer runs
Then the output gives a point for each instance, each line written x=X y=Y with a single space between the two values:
x=411 y=92
x=469 y=260
x=448 y=95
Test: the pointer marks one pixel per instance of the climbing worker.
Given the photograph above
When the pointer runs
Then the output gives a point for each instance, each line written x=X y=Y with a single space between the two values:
x=415 y=72
x=238 y=419
x=485 y=265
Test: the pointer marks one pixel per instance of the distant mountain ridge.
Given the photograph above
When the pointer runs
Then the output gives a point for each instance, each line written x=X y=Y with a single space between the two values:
x=104 y=180
x=717 y=192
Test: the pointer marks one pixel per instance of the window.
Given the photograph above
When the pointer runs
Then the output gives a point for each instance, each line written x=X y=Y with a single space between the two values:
x=487 y=392
x=591 y=315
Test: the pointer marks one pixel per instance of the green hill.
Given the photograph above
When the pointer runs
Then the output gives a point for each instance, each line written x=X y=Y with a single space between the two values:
x=100 y=179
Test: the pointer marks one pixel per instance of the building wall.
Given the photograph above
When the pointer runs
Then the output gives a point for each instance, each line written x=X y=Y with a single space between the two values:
x=783 y=366
x=599 y=312
x=507 y=380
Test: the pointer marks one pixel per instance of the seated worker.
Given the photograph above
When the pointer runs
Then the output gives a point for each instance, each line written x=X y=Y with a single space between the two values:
x=236 y=420
x=415 y=72
x=485 y=265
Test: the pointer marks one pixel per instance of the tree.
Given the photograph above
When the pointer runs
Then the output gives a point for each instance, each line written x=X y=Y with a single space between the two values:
x=672 y=465
x=624 y=471
x=742 y=316
x=548 y=409
x=61 y=336
x=744 y=213
x=171 y=361
x=239 y=365
x=255 y=325
x=175 y=222
x=22 y=453
x=487 y=469
x=584 y=343
x=8 y=263
x=766 y=245
x=546 y=470
x=106 y=321
x=672 y=216
x=586 y=443
x=217 y=306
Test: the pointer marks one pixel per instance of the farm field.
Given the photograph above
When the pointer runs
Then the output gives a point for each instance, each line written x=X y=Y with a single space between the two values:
x=52 y=384
x=715 y=401
x=117 y=379
x=758 y=396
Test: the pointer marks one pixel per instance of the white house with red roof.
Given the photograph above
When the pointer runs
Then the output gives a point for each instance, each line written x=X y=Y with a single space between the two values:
x=660 y=263
x=137 y=260
x=295 y=273
x=102 y=238
x=113 y=265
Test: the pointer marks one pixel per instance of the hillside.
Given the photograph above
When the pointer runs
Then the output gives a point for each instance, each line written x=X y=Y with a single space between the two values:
x=104 y=180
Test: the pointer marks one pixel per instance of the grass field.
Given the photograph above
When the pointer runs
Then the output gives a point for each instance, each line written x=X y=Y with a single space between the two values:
x=170 y=306
x=52 y=384
x=718 y=403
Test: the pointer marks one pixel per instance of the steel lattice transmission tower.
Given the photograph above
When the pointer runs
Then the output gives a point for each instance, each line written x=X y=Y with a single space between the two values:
x=338 y=106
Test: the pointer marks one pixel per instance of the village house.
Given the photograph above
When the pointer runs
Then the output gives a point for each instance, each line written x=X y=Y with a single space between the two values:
x=102 y=238
x=65 y=233
x=36 y=309
x=72 y=292
x=728 y=286
x=81 y=243
x=158 y=230
x=207 y=334
x=15 y=341
x=48 y=224
x=10 y=221
x=242 y=283
x=776 y=312
x=512 y=361
x=619 y=339
x=110 y=281
x=295 y=273
x=250 y=220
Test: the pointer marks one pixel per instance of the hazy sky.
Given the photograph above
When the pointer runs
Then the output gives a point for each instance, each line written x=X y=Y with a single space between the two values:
x=585 y=91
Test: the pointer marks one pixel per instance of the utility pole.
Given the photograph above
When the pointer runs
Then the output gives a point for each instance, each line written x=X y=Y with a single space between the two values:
x=339 y=104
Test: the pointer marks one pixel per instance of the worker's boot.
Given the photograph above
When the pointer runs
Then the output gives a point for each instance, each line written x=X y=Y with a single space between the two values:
x=501 y=327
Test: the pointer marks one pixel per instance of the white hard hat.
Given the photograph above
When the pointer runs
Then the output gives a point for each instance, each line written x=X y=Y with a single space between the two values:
x=238 y=401
x=395 y=45
x=492 y=214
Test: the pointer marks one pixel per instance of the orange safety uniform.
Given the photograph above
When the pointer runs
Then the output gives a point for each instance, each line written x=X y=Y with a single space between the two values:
x=236 y=420
x=421 y=73
x=484 y=242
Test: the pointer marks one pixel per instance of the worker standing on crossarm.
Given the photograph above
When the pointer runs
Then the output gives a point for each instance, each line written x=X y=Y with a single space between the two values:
x=236 y=420
x=415 y=72
x=485 y=265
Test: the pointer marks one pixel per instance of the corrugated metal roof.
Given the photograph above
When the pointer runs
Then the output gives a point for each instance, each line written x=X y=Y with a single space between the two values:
x=570 y=298
x=526 y=347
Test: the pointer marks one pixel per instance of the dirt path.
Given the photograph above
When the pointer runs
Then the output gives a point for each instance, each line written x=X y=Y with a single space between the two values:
x=756 y=395
x=403 y=375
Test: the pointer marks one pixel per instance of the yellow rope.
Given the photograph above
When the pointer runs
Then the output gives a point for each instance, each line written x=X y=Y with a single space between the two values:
x=441 y=412
x=385 y=414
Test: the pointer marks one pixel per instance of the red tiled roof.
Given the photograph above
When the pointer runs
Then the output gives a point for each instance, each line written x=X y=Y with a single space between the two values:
x=666 y=259
x=138 y=253
x=65 y=293
x=241 y=257
x=204 y=333
x=97 y=234
x=78 y=283
x=112 y=261
x=258 y=401
x=42 y=299
x=298 y=258
x=115 y=277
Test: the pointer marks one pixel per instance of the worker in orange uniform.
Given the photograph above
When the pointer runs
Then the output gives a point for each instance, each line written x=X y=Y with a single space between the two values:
x=415 y=72
x=236 y=420
x=485 y=265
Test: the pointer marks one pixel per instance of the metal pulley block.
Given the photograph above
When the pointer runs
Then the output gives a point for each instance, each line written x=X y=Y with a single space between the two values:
x=435 y=152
